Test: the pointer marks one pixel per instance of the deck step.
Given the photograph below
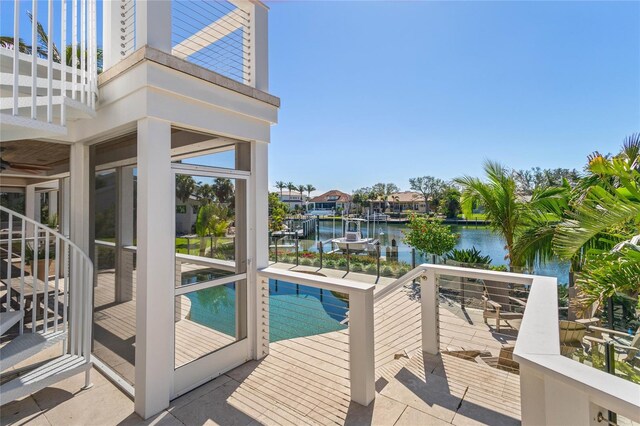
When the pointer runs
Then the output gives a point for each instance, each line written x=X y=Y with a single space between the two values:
x=9 y=319
x=46 y=375
x=27 y=345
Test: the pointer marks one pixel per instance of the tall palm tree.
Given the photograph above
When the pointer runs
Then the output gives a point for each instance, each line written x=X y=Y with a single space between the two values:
x=281 y=185
x=498 y=196
x=185 y=187
x=291 y=187
x=309 y=188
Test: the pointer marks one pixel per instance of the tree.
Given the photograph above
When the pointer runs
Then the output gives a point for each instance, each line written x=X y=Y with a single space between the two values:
x=290 y=187
x=277 y=213
x=383 y=191
x=205 y=193
x=281 y=185
x=498 y=196
x=213 y=220
x=430 y=187
x=450 y=203
x=223 y=190
x=185 y=187
x=309 y=188
x=429 y=236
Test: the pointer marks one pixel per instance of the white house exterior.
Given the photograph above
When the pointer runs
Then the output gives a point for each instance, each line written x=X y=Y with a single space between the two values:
x=183 y=85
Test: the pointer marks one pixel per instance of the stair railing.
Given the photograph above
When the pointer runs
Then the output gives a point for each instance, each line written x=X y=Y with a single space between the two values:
x=49 y=279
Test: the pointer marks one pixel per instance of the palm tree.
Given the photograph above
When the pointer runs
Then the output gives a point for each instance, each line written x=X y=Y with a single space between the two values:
x=291 y=187
x=281 y=185
x=185 y=187
x=498 y=196
x=309 y=188
x=223 y=190
x=213 y=220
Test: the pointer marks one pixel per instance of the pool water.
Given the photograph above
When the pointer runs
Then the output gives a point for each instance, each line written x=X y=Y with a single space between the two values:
x=294 y=310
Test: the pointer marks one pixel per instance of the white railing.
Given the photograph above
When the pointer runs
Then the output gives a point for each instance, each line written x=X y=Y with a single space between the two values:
x=44 y=79
x=60 y=280
x=554 y=388
x=213 y=34
x=360 y=320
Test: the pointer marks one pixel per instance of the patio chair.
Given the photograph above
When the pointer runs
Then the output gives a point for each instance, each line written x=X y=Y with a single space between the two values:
x=632 y=349
x=571 y=335
x=499 y=305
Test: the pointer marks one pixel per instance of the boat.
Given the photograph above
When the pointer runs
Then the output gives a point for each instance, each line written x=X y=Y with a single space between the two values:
x=377 y=217
x=353 y=241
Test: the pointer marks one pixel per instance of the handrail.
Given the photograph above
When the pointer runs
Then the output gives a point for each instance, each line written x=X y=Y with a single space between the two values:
x=538 y=347
x=327 y=283
x=71 y=268
x=458 y=271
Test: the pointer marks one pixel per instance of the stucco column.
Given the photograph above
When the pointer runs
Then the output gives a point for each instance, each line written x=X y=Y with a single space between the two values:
x=153 y=24
x=79 y=202
x=155 y=268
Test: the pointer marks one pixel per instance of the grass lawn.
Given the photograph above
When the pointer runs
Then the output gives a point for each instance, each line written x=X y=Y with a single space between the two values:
x=475 y=216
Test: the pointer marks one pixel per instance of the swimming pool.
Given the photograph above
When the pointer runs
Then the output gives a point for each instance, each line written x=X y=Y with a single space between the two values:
x=294 y=310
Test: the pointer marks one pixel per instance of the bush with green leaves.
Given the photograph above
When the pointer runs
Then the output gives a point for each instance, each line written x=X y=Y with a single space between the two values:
x=470 y=256
x=429 y=236
x=371 y=269
x=387 y=271
x=356 y=267
x=330 y=264
x=402 y=271
x=316 y=262
x=306 y=262
x=342 y=263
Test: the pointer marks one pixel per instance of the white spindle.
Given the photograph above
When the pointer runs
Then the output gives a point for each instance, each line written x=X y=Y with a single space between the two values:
x=34 y=60
x=34 y=277
x=23 y=243
x=56 y=295
x=74 y=303
x=45 y=301
x=63 y=61
x=83 y=48
x=50 y=63
x=67 y=273
x=9 y=263
x=74 y=53
x=16 y=55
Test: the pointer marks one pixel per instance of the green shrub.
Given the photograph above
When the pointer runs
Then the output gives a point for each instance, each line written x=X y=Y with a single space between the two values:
x=402 y=271
x=387 y=271
x=342 y=263
x=371 y=269
x=306 y=262
x=356 y=267
x=316 y=262
x=330 y=264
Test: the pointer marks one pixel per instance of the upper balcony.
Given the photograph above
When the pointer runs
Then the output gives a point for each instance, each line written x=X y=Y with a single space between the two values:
x=224 y=42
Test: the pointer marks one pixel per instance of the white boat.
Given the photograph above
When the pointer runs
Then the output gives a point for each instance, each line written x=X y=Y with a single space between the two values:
x=353 y=241
x=377 y=217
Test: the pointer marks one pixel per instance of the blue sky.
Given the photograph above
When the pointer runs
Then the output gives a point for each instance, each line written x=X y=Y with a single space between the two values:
x=385 y=91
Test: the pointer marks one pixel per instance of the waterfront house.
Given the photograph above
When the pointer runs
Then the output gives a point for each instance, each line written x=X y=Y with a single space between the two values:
x=105 y=321
x=399 y=202
x=334 y=200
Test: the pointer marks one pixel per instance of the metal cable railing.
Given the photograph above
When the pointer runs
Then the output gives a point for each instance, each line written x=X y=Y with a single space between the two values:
x=127 y=27
x=213 y=34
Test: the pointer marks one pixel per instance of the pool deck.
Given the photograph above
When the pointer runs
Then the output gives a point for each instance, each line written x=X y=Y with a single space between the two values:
x=305 y=381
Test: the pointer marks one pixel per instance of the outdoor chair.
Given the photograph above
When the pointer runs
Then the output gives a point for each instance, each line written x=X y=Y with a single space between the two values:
x=571 y=335
x=499 y=305
x=632 y=349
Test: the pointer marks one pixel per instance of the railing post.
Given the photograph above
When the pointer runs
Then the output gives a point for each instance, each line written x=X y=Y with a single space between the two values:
x=361 y=347
x=430 y=314
x=610 y=364
x=348 y=257
x=297 y=250
x=321 y=249
x=378 y=258
x=276 y=248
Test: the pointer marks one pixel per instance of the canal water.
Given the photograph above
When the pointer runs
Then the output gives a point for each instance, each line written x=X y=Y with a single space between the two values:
x=480 y=237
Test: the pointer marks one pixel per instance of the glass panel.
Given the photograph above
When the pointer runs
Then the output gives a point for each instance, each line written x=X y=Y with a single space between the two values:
x=209 y=319
x=210 y=228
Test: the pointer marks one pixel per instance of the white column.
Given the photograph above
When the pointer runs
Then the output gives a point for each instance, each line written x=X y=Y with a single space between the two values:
x=30 y=201
x=124 y=234
x=53 y=203
x=430 y=316
x=64 y=206
x=361 y=347
x=257 y=53
x=531 y=397
x=153 y=24
x=155 y=268
x=258 y=227
x=567 y=406
x=79 y=204
x=111 y=24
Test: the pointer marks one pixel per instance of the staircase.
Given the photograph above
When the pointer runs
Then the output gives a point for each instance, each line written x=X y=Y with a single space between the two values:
x=41 y=308
x=40 y=92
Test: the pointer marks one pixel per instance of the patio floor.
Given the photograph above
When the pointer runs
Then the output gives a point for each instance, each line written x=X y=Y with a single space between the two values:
x=305 y=381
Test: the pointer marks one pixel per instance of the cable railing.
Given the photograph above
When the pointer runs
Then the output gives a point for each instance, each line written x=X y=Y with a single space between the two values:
x=215 y=35
x=127 y=27
x=44 y=79
x=296 y=305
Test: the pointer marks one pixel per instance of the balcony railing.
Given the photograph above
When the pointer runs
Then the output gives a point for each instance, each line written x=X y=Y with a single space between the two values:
x=53 y=64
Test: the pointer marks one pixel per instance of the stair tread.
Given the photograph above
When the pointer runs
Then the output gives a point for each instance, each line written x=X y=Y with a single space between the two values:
x=44 y=376
x=25 y=346
x=9 y=319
